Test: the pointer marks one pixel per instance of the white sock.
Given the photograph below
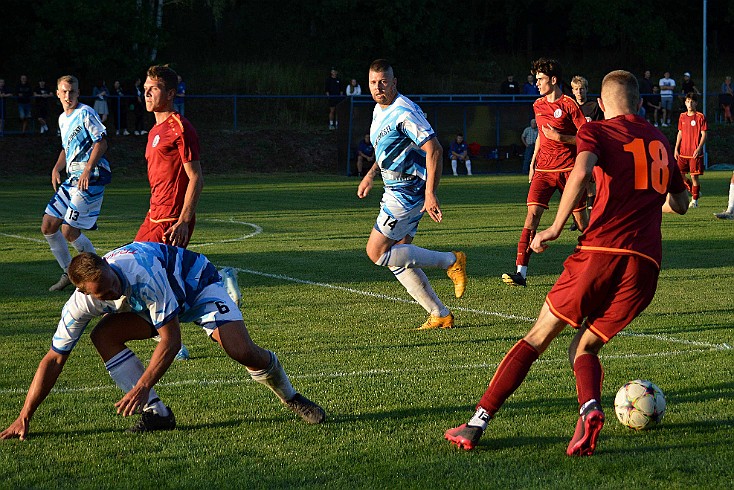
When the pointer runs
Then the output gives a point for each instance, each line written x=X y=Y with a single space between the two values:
x=453 y=166
x=468 y=167
x=480 y=419
x=416 y=283
x=412 y=256
x=59 y=248
x=126 y=369
x=523 y=270
x=274 y=377
x=82 y=244
x=730 y=208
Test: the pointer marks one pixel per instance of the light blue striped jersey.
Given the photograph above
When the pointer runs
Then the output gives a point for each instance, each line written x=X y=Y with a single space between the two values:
x=159 y=282
x=80 y=130
x=397 y=133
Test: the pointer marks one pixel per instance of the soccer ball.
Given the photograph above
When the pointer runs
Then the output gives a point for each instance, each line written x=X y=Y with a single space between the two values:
x=639 y=404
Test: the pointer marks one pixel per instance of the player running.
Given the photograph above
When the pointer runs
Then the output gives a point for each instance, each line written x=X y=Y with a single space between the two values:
x=78 y=199
x=409 y=159
x=613 y=274
x=142 y=290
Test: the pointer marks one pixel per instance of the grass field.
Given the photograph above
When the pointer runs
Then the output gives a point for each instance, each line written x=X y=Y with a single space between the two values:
x=345 y=331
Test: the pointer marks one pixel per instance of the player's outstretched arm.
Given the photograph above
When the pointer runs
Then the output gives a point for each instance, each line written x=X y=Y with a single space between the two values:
x=45 y=378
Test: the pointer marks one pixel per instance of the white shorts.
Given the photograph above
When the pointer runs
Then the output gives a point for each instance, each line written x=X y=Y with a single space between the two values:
x=398 y=218
x=79 y=209
x=212 y=307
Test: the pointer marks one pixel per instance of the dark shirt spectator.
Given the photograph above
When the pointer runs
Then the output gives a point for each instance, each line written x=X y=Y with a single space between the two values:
x=25 y=92
x=529 y=88
x=510 y=86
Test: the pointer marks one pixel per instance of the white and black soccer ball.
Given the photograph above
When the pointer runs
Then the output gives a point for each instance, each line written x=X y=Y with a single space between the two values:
x=639 y=404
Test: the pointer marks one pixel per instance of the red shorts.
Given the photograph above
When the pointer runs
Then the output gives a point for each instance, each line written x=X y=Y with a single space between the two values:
x=608 y=290
x=691 y=165
x=152 y=231
x=544 y=184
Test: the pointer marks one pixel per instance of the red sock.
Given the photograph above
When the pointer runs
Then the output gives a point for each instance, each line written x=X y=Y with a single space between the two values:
x=523 y=247
x=695 y=190
x=589 y=376
x=509 y=375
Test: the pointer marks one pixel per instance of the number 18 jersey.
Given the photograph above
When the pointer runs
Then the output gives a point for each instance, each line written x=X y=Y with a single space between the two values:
x=634 y=174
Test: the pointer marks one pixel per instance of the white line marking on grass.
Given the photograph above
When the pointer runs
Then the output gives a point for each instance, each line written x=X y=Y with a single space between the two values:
x=28 y=239
x=256 y=231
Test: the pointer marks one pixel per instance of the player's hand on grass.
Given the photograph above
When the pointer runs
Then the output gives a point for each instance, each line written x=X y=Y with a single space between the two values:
x=133 y=401
x=18 y=429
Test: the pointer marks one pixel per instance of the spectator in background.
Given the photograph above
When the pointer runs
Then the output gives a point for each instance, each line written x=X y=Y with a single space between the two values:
x=334 y=91
x=41 y=94
x=726 y=97
x=645 y=91
x=459 y=152
x=25 y=92
x=688 y=86
x=4 y=94
x=353 y=88
x=529 y=87
x=510 y=86
x=365 y=154
x=667 y=87
x=139 y=107
x=653 y=105
x=689 y=143
x=118 y=109
x=178 y=102
x=100 y=94
x=529 y=135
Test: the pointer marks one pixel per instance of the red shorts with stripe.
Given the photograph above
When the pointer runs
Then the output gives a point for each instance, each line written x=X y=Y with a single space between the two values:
x=608 y=290
x=691 y=165
x=152 y=231
x=544 y=184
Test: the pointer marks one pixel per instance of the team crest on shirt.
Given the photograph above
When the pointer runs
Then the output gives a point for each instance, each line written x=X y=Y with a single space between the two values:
x=156 y=140
x=557 y=113
x=693 y=123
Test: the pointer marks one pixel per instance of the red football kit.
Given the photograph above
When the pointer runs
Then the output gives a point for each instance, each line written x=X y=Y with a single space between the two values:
x=612 y=275
x=566 y=117
x=691 y=128
x=170 y=144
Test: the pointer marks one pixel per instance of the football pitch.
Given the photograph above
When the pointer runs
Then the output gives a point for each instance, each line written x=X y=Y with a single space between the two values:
x=344 y=330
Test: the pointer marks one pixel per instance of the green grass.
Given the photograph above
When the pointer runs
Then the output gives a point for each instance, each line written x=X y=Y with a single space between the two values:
x=345 y=332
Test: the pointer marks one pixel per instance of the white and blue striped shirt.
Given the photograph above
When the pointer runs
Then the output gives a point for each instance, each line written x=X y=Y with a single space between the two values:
x=80 y=130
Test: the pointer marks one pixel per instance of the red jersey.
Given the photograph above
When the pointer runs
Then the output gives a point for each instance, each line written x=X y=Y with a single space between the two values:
x=566 y=117
x=633 y=176
x=690 y=128
x=170 y=144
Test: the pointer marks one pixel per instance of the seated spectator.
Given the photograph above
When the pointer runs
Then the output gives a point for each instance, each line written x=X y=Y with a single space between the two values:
x=459 y=151
x=354 y=88
x=529 y=88
x=654 y=105
x=510 y=86
x=726 y=97
x=365 y=155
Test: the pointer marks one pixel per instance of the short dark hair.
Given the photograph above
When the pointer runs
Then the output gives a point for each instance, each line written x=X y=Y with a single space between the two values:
x=692 y=96
x=547 y=66
x=164 y=73
x=85 y=267
x=380 y=66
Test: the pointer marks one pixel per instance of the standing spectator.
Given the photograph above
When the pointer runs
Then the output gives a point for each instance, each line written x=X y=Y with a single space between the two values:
x=529 y=135
x=558 y=117
x=334 y=91
x=667 y=88
x=612 y=275
x=118 y=109
x=4 y=94
x=726 y=97
x=139 y=107
x=365 y=154
x=459 y=152
x=77 y=200
x=688 y=86
x=41 y=94
x=100 y=93
x=178 y=102
x=689 y=143
x=25 y=92
x=645 y=91
x=654 y=106
x=529 y=88
x=728 y=213
x=409 y=160
x=353 y=88
x=510 y=86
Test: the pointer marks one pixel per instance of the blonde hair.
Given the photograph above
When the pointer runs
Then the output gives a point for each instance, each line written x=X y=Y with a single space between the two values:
x=622 y=85
x=578 y=81
x=85 y=267
x=70 y=79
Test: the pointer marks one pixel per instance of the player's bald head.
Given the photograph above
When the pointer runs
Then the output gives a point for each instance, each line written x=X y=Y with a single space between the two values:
x=620 y=89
